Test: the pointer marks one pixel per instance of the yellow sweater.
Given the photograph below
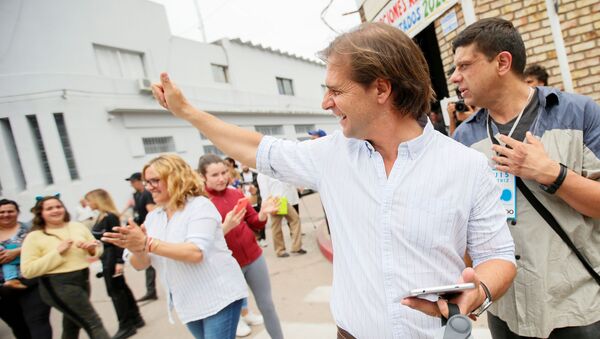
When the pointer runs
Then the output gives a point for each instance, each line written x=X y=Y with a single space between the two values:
x=39 y=255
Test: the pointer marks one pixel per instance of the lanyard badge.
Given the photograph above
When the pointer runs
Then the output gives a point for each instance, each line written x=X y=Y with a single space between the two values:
x=508 y=184
x=507 y=181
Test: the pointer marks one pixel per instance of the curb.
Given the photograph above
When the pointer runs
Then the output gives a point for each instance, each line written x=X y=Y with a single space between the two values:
x=324 y=242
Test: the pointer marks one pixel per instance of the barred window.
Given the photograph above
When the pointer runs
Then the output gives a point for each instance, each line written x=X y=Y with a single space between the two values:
x=13 y=154
x=303 y=129
x=154 y=145
x=285 y=86
x=40 y=148
x=270 y=129
x=66 y=145
x=212 y=149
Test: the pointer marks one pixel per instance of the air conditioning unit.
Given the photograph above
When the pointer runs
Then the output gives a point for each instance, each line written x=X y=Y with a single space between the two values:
x=144 y=85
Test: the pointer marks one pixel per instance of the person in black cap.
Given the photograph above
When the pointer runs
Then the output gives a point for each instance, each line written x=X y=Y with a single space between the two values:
x=143 y=203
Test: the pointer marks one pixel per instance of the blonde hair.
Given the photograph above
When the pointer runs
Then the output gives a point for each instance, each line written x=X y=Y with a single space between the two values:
x=103 y=201
x=182 y=181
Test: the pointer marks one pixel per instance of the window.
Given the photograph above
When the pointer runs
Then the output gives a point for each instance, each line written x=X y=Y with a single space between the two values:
x=66 y=145
x=119 y=63
x=212 y=149
x=270 y=130
x=13 y=154
x=41 y=149
x=303 y=129
x=285 y=86
x=158 y=145
x=219 y=73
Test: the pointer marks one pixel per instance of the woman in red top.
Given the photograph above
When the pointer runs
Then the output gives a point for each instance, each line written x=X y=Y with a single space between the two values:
x=240 y=238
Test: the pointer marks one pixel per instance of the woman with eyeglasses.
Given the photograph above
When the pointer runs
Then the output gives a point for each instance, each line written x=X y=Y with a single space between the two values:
x=124 y=303
x=183 y=239
x=58 y=250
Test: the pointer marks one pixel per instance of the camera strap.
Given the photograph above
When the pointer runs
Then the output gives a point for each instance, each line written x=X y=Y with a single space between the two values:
x=543 y=211
x=452 y=311
x=549 y=218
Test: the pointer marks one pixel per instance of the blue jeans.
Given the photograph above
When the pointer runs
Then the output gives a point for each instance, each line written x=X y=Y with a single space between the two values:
x=218 y=326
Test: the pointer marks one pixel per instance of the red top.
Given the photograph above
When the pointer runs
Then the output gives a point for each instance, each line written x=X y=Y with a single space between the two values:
x=240 y=239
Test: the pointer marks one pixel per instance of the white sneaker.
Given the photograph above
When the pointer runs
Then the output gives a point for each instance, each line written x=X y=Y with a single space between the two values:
x=243 y=330
x=263 y=243
x=253 y=319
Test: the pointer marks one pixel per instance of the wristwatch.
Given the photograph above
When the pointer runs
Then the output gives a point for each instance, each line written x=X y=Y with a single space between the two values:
x=553 y=187
x=486 y=303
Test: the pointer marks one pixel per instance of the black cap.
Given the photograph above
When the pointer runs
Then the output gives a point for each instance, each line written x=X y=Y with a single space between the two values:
x=135 y=176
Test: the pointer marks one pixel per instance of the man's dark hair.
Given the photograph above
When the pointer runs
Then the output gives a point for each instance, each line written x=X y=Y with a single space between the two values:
x=538 y=72
x=10 y=202
x=492 y=36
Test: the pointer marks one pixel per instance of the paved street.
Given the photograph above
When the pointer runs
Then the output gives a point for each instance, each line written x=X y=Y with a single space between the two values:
x=301 y=288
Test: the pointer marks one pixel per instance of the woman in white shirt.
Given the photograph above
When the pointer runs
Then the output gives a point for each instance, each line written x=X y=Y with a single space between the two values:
x=184 y=241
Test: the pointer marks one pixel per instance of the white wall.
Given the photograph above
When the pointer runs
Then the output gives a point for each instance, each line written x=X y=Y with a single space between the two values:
x=48 y=65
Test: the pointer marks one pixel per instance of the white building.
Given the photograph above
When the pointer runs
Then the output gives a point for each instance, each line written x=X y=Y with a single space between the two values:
x=76 y=112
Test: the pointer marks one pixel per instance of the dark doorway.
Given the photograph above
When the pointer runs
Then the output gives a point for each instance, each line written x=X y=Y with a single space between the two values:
x=427 y=40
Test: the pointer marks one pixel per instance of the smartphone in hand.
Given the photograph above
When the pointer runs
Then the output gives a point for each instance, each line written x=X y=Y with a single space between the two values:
x=446 y=290
x=241 y=204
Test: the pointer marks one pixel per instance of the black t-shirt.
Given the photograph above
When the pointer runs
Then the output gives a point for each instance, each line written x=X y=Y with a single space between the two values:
x=106 y=224
x=529 y=115
x=141 y=200
x=112 y=254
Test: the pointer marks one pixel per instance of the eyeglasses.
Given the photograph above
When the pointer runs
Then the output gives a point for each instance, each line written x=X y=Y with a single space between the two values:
x=151 y=182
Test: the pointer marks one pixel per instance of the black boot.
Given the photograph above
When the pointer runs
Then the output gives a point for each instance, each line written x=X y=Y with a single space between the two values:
x=139 y=322
x=125 y=332
x=147 y=297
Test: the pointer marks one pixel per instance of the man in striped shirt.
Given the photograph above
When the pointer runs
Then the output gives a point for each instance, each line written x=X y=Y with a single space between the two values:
x=404 y=202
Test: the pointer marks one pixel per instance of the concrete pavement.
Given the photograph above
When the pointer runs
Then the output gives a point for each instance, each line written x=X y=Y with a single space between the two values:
x=301 y=288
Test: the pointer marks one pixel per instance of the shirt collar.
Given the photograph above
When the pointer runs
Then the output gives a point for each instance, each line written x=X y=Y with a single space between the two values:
x=412 y=148
x=548 y=97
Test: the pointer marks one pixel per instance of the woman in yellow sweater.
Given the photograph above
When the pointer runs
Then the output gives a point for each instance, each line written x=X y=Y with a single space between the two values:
x=57 y=250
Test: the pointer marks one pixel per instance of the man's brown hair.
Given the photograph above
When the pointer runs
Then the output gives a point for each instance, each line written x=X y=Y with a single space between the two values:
x=380 y=51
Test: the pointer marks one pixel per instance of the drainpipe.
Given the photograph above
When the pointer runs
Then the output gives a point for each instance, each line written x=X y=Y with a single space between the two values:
x=559 y=43
x=468 y=11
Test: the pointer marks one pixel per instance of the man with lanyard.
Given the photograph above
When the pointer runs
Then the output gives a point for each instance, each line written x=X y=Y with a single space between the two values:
x=143 y=203
x=404 y=202
x=550 y=141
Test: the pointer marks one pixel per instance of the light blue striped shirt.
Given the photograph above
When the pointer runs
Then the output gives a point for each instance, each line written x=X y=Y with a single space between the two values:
x=391 y=235
x=196 y=291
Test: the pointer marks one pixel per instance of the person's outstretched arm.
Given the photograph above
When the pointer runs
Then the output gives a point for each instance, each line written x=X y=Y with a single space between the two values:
x=239 y=143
